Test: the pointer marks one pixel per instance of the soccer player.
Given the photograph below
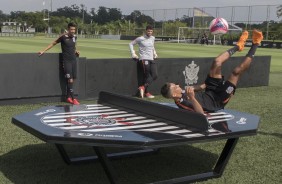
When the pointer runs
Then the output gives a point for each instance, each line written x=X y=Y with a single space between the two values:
x=215 y=93
x=69 y=53
x=147 y=60
x=204 y=39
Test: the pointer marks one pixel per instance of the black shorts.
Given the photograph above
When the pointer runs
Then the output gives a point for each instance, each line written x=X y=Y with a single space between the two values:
x=221 y=88
x=70 y=69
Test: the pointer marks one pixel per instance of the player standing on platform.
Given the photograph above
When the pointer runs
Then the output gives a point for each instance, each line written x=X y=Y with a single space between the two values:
x=215 y=93
x=70 y=54
x=146 y=62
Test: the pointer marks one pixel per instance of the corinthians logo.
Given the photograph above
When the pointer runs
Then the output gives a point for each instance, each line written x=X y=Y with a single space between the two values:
x=95 y=121
x=79 y=121
x=191 y=74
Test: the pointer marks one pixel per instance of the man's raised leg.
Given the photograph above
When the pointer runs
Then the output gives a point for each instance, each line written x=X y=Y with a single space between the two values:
x=215 y=71
x=237 y=72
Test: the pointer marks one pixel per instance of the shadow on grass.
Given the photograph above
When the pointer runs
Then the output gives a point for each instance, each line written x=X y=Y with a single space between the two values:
x=41 y=163
x=272 y=134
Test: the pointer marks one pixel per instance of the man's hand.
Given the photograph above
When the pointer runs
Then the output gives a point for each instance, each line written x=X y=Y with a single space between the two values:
x=134 y=56
x=155 y=55
x=77 y=53
x=191 y=95
x=190 y=92
x=40 y=53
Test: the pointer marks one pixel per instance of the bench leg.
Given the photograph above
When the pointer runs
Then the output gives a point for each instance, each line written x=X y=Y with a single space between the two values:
x=225 y=156
x=215 y=173
x=106 y=164
x=63 y=153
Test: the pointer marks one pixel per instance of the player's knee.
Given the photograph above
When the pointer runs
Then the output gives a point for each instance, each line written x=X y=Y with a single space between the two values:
x=217 y=63
x=237 y=71
x=70 y=80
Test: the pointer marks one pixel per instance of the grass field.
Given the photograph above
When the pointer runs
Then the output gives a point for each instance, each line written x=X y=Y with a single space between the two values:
x=256 y=159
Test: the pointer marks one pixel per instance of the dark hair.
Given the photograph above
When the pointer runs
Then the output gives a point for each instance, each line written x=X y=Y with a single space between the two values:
x=165 y=90
x=149 y=27
x=71 y=24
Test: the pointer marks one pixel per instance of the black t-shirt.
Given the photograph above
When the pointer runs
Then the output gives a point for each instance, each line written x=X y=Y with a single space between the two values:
x=206 y=99
x=68 y=47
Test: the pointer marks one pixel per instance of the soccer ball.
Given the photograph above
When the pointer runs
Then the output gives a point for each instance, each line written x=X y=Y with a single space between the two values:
x=218 y=26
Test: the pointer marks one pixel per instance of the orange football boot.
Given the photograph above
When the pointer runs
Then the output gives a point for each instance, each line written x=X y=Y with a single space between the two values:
x=257 y=36
x=242 y=40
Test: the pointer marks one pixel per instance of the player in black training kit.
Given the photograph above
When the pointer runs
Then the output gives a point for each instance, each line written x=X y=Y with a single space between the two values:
x=215 y=93
x=69 y=52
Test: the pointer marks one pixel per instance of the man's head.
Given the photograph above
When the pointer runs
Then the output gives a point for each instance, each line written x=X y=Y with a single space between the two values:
x=71 y=29
x=149 y=30
x=171 y=90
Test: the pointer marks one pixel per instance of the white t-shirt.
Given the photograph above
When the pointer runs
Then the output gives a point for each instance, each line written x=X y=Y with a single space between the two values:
x=146 y=47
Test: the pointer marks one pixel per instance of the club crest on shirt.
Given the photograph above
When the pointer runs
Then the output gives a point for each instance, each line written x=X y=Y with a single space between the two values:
x=73 y=39
x=229 y=90
x=191 y=74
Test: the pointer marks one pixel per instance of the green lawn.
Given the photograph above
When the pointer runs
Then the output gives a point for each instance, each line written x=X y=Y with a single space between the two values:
x=256 y=159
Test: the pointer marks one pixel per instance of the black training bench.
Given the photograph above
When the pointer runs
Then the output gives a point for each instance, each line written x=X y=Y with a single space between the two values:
x=123 y=122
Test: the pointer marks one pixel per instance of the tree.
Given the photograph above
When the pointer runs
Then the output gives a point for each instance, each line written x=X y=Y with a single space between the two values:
x=279 y=11
x=66 y=11
x=83 y=12
x=110 y=26
x=118 y=27
x=275 y=31
x=32 y=19
x=59 y=24
x=102 y=16
x=139 y=18
x=96 y=28
x=3 y=17
x=79 y=25
x=115 y=14
x=171 y=27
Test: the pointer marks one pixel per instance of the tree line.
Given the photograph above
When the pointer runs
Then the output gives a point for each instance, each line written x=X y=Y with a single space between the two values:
x=112 y=21
x=102 y=21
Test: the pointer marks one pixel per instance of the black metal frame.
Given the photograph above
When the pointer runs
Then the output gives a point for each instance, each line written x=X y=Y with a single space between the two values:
x=105 y=158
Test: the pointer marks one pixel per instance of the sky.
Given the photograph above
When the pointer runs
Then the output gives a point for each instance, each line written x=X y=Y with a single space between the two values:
x=127 y=6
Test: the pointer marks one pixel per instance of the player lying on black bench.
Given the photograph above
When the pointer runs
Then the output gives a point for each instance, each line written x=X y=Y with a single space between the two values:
x=214 y=94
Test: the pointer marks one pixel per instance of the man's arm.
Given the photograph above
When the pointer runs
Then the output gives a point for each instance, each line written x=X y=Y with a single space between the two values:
x=77 y=52
x=47 y=48
x=196 y=105
x=155 y=52
x=199 y=87
x=131 y=48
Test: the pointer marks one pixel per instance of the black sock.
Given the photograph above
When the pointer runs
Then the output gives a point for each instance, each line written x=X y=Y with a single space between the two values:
x=70 y=90
x=233 y=50
x=252 y=51
x=146 y=87
x=146 y=90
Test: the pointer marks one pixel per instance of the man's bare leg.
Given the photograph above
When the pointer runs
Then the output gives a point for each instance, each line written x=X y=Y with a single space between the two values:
x=215 y=71
x=237 y=72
